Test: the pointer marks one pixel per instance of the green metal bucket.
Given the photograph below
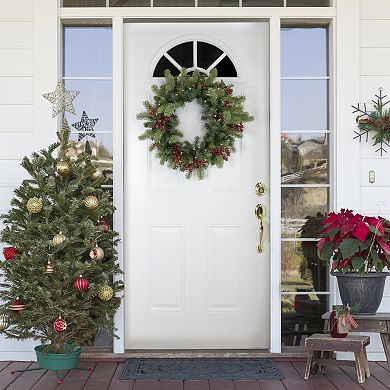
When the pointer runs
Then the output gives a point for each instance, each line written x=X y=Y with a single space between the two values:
x=57 y=361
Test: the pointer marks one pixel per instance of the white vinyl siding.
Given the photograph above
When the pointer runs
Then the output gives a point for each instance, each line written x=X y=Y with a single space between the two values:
x=374 y=73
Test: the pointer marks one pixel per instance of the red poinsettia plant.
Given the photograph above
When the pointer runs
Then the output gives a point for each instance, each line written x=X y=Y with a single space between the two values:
x=355 y=243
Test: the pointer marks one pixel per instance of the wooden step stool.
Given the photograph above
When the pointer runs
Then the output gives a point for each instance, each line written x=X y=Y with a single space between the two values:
x=322 y=347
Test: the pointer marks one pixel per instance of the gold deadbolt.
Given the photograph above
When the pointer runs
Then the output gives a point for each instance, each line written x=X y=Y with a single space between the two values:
x=260 y=188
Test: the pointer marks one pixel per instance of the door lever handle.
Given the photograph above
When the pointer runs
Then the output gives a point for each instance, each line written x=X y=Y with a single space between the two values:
x=260 y=214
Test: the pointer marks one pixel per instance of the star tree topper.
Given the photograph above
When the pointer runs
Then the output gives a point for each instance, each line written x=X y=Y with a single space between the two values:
x=86 y=125
x=61 y=99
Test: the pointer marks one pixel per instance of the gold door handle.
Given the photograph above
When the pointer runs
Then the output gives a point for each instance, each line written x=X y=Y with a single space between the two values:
x=260 y=214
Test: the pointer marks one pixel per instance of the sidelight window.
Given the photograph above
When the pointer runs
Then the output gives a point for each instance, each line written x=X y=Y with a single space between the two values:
x=305 y=180
x=87 y=67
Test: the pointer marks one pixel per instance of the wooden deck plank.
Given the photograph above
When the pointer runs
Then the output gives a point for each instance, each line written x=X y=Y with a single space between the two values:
x=101 y=376
x=75 y=379
x=117 y=384
x=380 y=373
x=340 y=379
x=145 y=385
x=4 y=364
x=315 y=382
x=170 y=385
x=246 y=385
x=27 y=379
x=221 y=385
x=384 y=365
x=271 y=385
x=196 y=385
x=292 y=381
x=48 y=381
x=5 y=375
x=371 y=383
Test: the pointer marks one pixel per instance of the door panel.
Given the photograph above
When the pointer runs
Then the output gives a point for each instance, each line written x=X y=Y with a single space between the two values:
x=193 y=276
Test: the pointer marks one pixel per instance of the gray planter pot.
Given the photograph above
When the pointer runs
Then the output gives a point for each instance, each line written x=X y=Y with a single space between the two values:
x=363 y=290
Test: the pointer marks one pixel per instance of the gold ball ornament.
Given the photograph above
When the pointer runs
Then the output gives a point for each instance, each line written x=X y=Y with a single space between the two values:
x=91 y=202
x=4 y=323
x=98 y=174
x=63 y=168
x=96 y=253
x=59 y=239
x=34 y=205
x=105 y=292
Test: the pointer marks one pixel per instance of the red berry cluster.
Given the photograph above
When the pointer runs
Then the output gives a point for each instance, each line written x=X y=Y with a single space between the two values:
x=200 y=163
x=161 y=122
x=176 y=155
x=223 y=152
x=238 y=127
x=189 y=167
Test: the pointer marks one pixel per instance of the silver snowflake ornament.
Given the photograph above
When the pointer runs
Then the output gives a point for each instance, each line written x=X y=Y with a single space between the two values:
x=85 y=126
x=61 y=99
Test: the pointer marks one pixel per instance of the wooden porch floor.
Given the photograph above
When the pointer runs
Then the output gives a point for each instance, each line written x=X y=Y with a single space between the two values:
x=104 y=375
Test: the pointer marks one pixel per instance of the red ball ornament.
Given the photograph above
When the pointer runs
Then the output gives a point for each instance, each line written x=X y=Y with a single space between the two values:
x=104 y=224
x=17 y=305
x=10 y=253
x=59 y=325
x=81 y=283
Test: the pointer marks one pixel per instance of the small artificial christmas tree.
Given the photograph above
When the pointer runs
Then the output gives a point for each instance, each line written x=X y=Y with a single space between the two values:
x=58 y=274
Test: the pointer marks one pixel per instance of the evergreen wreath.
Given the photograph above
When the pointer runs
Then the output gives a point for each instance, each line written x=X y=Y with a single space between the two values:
x=222 y=113
x=376 y=121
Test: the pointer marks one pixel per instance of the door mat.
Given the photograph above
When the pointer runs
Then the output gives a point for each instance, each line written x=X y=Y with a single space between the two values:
x=201 y=369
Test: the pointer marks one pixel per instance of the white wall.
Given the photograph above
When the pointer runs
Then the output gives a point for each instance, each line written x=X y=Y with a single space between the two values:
x=17 y=136
x=375 y=73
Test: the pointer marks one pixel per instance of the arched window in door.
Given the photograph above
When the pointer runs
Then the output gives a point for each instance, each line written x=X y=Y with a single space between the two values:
x=195 y=55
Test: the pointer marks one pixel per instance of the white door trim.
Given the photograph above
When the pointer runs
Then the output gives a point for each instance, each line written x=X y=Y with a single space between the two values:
x=274 y=15
x=275 y=188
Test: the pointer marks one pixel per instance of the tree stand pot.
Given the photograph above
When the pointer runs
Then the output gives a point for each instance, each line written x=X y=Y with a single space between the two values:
x=57 y=361
x=363 y=290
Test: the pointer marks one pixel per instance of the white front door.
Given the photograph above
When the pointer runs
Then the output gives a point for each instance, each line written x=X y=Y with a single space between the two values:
x=194 y=278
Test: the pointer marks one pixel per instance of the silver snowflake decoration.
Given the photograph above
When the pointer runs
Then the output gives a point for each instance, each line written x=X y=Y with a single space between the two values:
x=61 y=99
x=85 y=126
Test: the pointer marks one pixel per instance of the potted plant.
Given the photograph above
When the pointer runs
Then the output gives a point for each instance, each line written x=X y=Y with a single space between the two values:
x=358 y=248
x=60 y=261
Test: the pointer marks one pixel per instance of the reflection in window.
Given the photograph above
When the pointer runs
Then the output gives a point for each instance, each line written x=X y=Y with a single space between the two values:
x=83 y=3
x=87 y=53
x=262 y=3
x=173 y=3
x=304 y=158
x=301 y=317
x=218 y=3
x=304 y=179
x=208 y=56
x=101 y=148
x=298 y=205
x=303 y=53
x=304 y=104
x=308 y=3
x=302 y=270
x=129 y=3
